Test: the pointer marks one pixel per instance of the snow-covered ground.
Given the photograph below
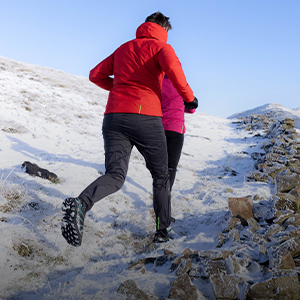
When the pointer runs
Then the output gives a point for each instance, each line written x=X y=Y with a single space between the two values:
x=54 y=119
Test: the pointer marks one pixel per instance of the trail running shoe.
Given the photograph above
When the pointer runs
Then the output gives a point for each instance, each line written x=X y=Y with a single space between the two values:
x=73 y=219
x=161 y=236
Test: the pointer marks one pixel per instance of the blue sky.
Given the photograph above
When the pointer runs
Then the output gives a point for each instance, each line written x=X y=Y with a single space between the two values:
x=236 y=54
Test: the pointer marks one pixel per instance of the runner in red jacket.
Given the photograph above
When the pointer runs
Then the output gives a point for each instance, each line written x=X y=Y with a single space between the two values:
x=138 y=67
x=133 y=118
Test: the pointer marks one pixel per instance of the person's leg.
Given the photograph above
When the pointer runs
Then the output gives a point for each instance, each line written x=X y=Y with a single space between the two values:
x=150 y=140
x=117 y=154
x=174 y=145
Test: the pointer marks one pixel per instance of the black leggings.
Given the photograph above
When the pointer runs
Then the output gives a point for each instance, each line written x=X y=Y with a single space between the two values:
x=174 y=145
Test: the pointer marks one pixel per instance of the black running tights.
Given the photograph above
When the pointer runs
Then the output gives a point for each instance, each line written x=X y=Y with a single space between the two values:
x=174 y=145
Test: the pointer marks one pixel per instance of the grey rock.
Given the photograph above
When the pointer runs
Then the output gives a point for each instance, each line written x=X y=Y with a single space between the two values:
x=228 y=287
x=130 y=289
x=182 y=288
x=282 y=285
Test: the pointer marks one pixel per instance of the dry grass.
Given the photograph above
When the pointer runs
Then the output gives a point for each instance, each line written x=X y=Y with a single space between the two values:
x=12 y=196
x=13 y=127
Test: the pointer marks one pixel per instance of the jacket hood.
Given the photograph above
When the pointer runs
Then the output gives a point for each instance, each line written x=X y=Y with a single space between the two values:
x=152 y=30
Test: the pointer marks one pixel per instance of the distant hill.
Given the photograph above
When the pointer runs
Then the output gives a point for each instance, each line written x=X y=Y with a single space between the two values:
x=272 y=110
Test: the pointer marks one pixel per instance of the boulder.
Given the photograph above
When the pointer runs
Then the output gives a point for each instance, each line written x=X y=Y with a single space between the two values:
x=130 y=289
x=182 y=288
x=258 y=176
x=253 y=224
x=241 y=208
x=233 y=222
x=228 y=287
x=285 y=184
x=283 y=285
x=285 y=201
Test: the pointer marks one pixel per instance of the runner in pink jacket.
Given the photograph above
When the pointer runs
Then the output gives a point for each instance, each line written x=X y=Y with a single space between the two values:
x=173 y=110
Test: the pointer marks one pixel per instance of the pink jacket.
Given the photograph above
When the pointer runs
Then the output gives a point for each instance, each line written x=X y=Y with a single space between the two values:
x=172 y=108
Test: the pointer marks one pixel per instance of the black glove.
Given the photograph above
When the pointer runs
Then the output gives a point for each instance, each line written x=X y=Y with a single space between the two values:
x=191 y=105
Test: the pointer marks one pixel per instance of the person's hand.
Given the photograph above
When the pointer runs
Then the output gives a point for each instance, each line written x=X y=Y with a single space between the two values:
x=191 y=105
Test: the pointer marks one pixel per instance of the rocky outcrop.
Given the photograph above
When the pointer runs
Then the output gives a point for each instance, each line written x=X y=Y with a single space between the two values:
x=280 y=154
x=279 y=164
x=257 y=254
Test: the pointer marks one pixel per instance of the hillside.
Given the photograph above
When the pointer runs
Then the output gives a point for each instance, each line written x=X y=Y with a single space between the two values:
x=53 y=119
x=274 y=111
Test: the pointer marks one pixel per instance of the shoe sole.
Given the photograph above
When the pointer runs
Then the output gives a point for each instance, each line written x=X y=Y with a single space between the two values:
x=161 y=240
x=69 y=226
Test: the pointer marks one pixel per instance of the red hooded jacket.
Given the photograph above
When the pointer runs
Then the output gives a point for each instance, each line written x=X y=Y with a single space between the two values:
x=138 y=68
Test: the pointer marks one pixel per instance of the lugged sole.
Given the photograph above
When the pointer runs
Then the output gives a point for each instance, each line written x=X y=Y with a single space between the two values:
x=69 y=227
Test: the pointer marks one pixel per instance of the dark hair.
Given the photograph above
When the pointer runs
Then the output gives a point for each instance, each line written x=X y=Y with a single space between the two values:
x=159 y=19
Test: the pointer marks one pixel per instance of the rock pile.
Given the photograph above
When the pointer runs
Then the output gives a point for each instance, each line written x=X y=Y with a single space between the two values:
x=279 y=164
x=258 y=252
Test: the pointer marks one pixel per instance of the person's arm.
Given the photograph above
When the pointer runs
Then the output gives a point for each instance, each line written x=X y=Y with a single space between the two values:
x=100 y=75
x=170 y=64
x=189 y=111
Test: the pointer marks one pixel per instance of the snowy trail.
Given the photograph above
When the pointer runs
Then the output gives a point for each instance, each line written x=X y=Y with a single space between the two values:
x=54 y=119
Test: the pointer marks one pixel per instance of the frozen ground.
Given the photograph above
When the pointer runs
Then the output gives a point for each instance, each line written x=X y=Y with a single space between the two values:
x=54 y=119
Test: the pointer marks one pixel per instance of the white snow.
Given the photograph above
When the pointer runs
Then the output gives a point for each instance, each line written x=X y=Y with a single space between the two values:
x=54 y=119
